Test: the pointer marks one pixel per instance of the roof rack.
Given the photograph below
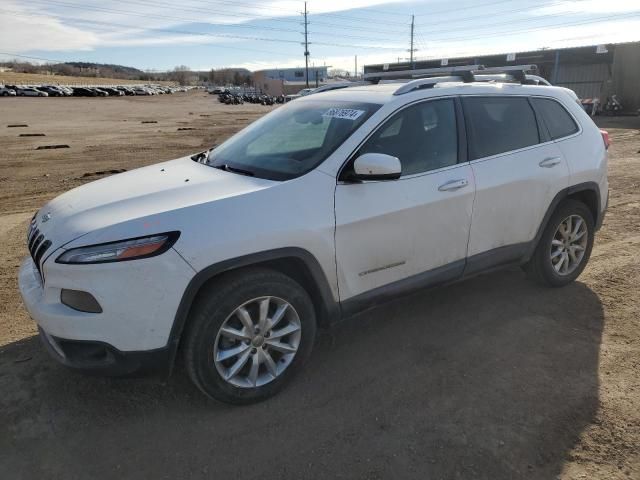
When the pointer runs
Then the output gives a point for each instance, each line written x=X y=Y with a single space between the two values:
x=406 y=74
x=428 y=78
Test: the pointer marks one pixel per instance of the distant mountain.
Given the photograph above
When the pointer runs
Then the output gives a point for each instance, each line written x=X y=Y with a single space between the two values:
x=241 y=71
x=119 y=69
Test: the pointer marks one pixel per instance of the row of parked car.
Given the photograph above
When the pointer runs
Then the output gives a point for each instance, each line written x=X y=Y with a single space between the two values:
x=230 y=98
x=86 y=91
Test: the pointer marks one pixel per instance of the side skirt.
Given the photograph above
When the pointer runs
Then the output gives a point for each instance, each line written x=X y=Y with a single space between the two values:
x=385 y=293
x=494 y=259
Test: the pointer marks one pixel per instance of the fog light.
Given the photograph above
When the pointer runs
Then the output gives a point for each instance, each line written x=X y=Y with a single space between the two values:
x=81 y=301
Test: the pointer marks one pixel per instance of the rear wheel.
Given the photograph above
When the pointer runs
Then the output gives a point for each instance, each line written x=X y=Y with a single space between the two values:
x=248 y=334
x=565 y=246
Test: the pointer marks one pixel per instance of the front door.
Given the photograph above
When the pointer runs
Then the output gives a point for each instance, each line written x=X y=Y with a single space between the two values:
x=414 y=229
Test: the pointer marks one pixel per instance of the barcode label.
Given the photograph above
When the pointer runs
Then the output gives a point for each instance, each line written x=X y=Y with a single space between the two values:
x=344 y=113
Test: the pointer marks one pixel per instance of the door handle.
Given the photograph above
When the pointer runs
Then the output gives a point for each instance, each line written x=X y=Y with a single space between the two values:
x=550 y=162
x=453 y=185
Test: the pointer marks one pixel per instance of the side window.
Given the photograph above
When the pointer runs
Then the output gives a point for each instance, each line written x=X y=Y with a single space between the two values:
x=424 y=137
x=555 y=117
x=499 y=124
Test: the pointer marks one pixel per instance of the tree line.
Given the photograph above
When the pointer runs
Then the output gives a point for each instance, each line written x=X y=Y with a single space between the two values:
x=181 y=74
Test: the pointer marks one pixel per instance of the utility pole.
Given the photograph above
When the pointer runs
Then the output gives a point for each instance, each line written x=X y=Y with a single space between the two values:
x=306 y=47
x=411 y=50
x=356 y=71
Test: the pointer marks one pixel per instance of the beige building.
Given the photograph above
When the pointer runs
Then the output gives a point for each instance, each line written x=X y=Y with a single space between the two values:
x=288 y=81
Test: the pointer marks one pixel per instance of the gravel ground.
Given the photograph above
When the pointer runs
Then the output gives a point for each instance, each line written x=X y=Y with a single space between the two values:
x=490 y=378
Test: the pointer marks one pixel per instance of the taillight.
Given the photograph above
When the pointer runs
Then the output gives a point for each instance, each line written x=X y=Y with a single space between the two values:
x=605 y=138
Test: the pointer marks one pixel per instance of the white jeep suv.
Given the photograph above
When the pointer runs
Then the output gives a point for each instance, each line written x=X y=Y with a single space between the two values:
x=324 y=207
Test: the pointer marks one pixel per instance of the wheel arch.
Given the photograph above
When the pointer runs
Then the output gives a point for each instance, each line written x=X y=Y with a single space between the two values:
x=587 y=193
x=590 y=196
x=297 y=263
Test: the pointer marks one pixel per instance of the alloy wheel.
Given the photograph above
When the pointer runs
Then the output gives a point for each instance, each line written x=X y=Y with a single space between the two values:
x=569 y=244
x=257 y=342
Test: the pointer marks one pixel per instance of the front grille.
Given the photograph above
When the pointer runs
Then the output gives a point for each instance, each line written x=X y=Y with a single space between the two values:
x=37 y=244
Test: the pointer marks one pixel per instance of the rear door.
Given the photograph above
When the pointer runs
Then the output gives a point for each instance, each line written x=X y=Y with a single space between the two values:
x=413 y=229
x=518 y=170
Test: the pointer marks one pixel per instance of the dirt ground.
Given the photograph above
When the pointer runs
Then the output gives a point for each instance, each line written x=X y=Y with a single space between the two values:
x=492 y=378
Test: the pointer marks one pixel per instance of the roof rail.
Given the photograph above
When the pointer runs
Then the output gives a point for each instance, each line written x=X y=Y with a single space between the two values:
x=406 y=74
x=426 y=83
x=513 y=73
x=338 y=85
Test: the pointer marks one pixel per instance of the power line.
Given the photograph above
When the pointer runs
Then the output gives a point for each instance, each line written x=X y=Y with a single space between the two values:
x=501 y=51
x=416 y=34
x=183 y=19
x=32 y=58
x=437 y=12
x=501 y=13
x=457 y=9
x=215 y=35
x=541 y=28
x=147 y=15
x=508 y=22
x=367 y=20
x=248 y=16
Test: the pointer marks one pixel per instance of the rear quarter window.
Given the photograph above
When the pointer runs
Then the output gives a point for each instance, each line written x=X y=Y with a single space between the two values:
x=555 y=117
x=499 y=124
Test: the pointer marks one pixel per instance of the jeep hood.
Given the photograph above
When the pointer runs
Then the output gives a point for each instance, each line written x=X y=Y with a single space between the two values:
x=139 y=194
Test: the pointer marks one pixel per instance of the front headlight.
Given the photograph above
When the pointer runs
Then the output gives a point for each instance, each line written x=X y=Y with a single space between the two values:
x=132 y=249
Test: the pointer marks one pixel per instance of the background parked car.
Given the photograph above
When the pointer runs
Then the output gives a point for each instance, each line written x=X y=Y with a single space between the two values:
x=112 y=91
x=7 y=92
x=142 y=91
x=125 y=90
x=67 y=90
x=52 y=91
x=43 y=90
x=84 y=92
x=30 y=92
x=100 y=92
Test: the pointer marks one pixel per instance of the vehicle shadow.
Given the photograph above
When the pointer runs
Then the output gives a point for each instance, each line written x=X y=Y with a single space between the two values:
x=489 y=378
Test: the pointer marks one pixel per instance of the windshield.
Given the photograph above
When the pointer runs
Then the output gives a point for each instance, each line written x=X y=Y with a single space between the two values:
x=292 y=140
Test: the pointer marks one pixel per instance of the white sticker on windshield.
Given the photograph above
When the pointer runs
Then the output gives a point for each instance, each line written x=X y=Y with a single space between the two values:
x=345 y=113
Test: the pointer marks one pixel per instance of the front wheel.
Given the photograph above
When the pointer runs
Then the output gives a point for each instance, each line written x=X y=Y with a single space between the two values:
x=248 y=334
x=565 y=246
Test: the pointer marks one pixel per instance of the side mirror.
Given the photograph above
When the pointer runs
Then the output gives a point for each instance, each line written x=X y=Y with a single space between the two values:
x=376 y=166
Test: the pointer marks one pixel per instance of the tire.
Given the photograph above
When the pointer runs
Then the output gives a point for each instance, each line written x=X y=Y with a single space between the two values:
x=558 y=272
x=219 y=306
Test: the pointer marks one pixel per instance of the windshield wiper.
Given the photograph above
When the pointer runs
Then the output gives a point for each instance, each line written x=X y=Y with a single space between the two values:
x=239 y=171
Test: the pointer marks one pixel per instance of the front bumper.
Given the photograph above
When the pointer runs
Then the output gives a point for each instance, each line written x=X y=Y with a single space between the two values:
x=103 y=359
x=139 y=300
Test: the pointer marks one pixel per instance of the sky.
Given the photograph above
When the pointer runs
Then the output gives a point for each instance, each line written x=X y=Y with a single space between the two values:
x=205 y=34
